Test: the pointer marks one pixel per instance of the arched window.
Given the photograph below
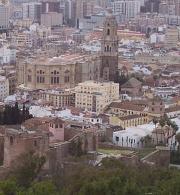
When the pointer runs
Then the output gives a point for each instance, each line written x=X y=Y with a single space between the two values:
x=108 y=31
x=40 y=76
x=107 y=47
x=55 y=77
x=35 y=143
x=29 y=76
x=66 y=76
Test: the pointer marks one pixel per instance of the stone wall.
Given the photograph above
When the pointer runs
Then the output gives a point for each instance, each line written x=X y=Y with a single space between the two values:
x=160 y=157
x=1 y=149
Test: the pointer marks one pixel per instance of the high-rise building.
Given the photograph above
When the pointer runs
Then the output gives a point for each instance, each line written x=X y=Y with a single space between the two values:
x=4 y=87
x=126 y=9
x=70 y=12
x=50 y=6
x=171 y=37
x=83 y=9
x=152 y=6
x=109 y=50
x=4 y=17
x=32 y=11
x=170 y=7
x=51 y=19
x=177 y=7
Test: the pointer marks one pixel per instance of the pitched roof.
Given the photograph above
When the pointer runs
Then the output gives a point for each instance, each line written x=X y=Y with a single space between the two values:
x=127 y=105
x=131 y=83
x=172 y=109
x=129 y=117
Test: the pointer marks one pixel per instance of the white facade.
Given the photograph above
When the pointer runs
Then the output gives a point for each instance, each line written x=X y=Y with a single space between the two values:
x=126 y=9
x=7 y=55
x=165 y=92
x=173 y=114
x=4 y=88
x=93 y=120
x=131 y=137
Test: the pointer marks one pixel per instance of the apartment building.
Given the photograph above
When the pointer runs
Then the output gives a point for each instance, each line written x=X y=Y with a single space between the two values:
x=126 y=9
x=4 y=17
x=4 y=88
x=95 y=96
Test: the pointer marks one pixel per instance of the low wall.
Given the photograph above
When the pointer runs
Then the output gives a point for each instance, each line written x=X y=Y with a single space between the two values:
x=159 y=157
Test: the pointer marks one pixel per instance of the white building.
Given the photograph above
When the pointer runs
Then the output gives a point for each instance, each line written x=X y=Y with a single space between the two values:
x=7 y=55
x=4 y=88
x=4 y=17
x=173 y=111
x=166 y=92
x=92 y=22
x=132 y=136
x=94 y=119
x=94 y=96
x=126 y=9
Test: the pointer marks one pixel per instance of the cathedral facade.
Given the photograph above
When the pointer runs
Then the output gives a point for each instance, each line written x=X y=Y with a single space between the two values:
x=109 y=50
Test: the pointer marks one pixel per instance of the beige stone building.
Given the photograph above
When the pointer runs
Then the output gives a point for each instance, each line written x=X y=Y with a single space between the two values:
x=161 y=135
x=94 y=96
x=128 y=121
x=132 y=87
x=125 y=108
x=57 y=98
x=58 y=72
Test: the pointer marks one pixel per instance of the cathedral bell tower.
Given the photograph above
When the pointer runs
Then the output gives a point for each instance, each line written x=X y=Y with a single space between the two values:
x=109 y=50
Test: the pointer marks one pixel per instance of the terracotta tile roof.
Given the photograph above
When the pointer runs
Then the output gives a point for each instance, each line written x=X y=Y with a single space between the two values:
x=126 y=105
x=172 y=109
x=131 y=83
x=129 y=117
x=59 y=120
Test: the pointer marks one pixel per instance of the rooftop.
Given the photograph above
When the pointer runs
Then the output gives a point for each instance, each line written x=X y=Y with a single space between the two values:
x=61 y=60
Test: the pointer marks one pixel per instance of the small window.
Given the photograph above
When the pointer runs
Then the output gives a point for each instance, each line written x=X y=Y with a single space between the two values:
x=117 y=138
x=56 y=126
x=35 y=143
x=11 y=140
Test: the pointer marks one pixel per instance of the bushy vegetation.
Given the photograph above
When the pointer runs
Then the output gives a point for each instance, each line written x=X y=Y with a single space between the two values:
x=13 y=115
x=111 y=178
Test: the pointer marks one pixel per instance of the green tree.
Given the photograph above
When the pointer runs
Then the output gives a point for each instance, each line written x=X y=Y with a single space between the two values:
x=42 y=188
x=8 y=187
x=27 y=168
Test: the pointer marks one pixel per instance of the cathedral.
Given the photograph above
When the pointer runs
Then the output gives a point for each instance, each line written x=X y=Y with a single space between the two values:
x=67 y=70
x=109 y=50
